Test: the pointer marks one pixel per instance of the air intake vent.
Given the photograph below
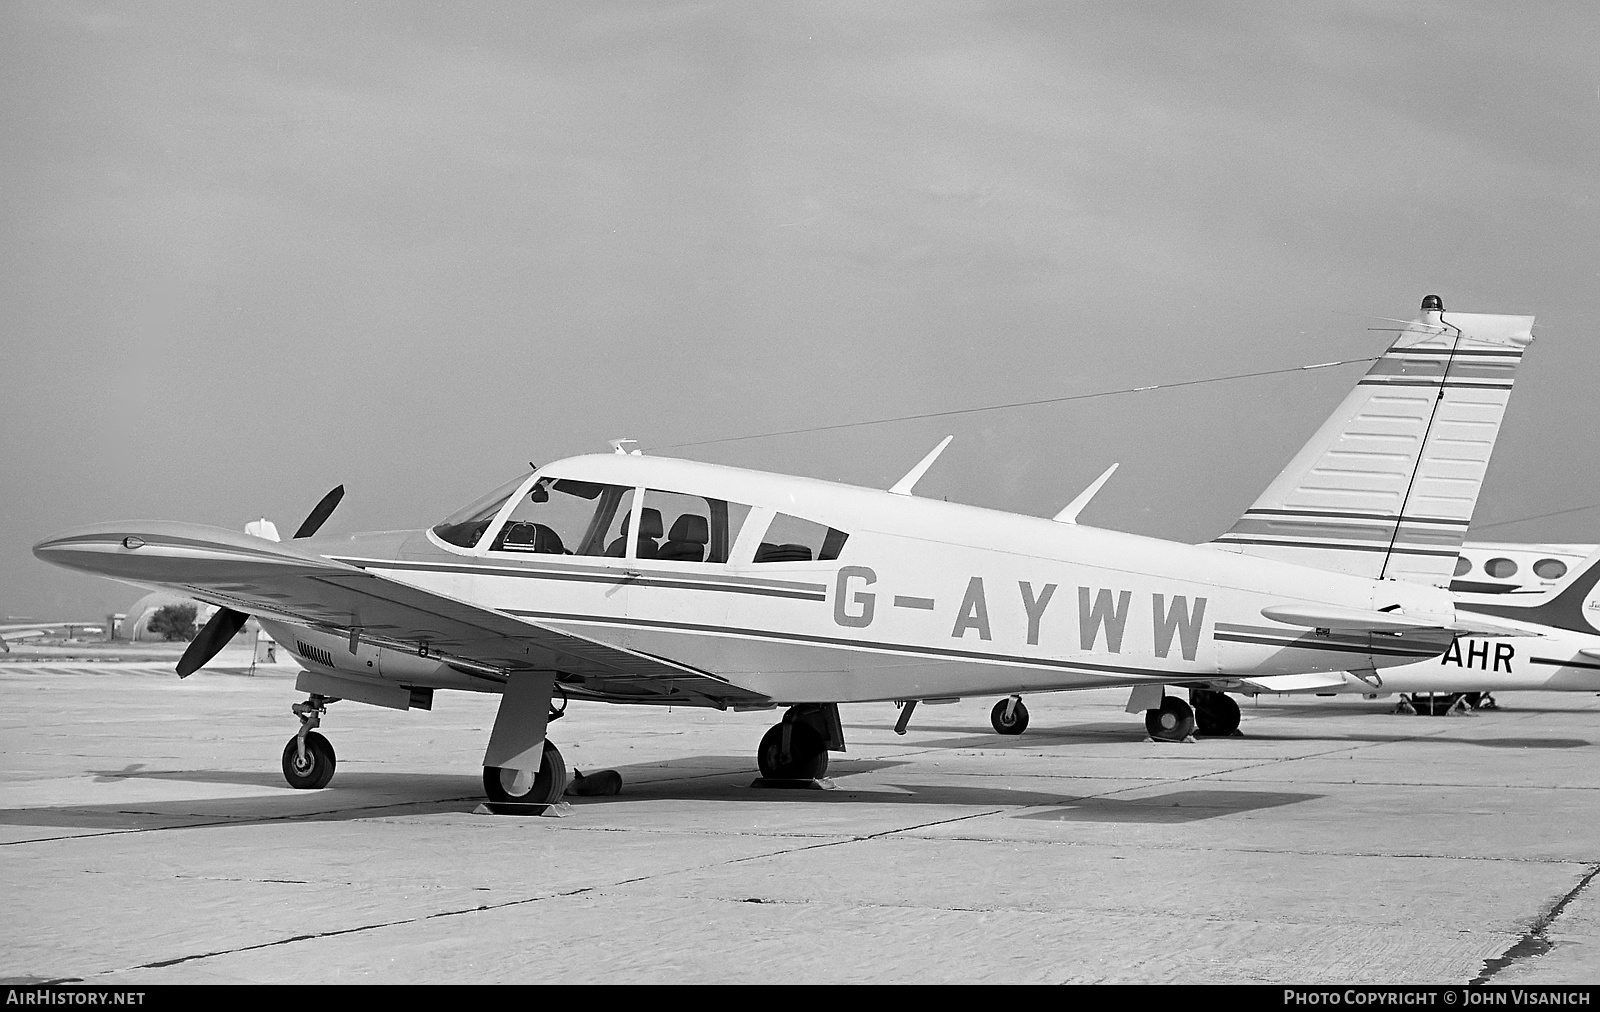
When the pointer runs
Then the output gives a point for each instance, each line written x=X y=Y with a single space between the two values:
x=316 y=654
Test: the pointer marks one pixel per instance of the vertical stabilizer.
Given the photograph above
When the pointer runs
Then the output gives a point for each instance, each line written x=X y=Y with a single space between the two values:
x=1387 y=486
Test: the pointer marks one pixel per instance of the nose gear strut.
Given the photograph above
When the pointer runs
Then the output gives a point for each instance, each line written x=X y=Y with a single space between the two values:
x=308 y=759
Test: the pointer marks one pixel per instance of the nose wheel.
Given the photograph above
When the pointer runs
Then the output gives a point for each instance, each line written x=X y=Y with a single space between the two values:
x=308 y=759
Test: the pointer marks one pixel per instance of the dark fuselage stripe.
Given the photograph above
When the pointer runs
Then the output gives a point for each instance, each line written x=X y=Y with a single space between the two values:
x=1344 y=515
x=1342 y=547
x=858 y=644
x=1563 y=664
x=1301 y=644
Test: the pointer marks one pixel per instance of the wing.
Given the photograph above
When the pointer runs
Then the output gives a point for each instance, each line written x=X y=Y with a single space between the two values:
x=286 y=582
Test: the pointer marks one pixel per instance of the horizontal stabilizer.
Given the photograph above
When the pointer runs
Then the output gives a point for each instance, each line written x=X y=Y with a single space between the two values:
x=1591 y=652
x=1326 y=616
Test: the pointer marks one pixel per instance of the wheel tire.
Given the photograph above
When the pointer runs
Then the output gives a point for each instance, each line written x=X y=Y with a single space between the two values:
x=317 y=770
x=514 y=786
x=807 y=758
x=1215 y=713
x=1018 y=722
x=1173 y=722
x=1475 y=699
x=1434 y=704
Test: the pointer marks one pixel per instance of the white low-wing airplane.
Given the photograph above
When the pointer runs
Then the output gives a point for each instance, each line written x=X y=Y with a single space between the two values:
x=635 y=579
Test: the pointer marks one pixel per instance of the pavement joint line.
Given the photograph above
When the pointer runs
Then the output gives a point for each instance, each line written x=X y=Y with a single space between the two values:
x=1534 y=942
x=436 y=915
x=1146 y=845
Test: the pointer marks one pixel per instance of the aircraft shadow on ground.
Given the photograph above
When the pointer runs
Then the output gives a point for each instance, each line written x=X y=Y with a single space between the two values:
x=1174 y=807
x=706 y=778
x=1035 y=739
x=1385 y=739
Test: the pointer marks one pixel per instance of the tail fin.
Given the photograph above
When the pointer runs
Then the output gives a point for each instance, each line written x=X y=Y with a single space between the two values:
x=1387 y=486
x=1572 y=604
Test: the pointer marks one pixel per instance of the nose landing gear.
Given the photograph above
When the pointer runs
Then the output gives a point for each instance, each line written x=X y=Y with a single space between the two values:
x=308 y=759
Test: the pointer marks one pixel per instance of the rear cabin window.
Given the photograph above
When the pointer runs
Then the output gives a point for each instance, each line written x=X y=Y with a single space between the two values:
x=561 y=516
x=792 y=539
x=678 y=527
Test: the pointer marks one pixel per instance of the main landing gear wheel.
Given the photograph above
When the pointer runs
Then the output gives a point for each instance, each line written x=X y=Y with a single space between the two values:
x=1173 y=722
x=792 y=751
x=1215 y=713
x=311 y=769
x=1009 y=716
x=525 y=787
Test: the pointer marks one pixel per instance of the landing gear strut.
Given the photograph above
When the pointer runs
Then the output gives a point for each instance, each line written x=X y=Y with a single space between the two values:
x=1216 y=715
x=308 y=759
x=1172 y=721
x=1009 y=716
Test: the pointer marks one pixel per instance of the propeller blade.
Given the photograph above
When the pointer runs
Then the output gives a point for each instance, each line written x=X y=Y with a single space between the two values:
x=319 y=515
x=224 y=625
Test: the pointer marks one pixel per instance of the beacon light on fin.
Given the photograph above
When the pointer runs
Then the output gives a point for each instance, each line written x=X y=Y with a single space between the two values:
x=1070 y=514
x=903 y=486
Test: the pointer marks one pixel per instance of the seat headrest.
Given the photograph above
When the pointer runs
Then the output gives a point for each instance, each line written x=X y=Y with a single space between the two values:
x=690 y=527
x=649 y=523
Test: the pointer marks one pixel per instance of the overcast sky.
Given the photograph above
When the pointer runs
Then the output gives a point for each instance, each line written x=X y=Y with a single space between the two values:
x=253 y=251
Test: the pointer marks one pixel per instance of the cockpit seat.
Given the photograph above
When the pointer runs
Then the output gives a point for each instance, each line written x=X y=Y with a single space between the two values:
x=523 y=536
x=687 y=541
x=649 y=531
x=769 y=552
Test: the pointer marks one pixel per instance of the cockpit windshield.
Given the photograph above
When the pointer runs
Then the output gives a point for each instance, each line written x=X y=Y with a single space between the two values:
x=465 y=527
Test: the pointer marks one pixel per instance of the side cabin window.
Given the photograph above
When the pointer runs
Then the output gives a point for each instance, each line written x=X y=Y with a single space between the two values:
x=561 y=516
x=678 y=527
x=791 y=539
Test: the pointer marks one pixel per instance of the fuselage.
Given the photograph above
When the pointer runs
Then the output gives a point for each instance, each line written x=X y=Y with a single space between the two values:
x=919 y=598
